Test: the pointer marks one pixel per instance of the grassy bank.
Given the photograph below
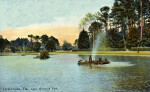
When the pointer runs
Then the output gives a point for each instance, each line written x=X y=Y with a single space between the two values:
x=120 y=53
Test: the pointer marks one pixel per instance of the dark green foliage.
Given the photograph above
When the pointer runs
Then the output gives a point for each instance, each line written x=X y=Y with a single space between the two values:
x=115 y=39
x=104 y=16
x=31 y=41
x=13 y=49
x=44 y=39
x=37 y=46
x=3 y=44
x=146 y=37
x=55 y=40
x=76 y=42
x=95 y=26
x=50 y=45
x=141 y=48
x=66 y=46
x=83 y=40
x=20 y=42
x=37 y=38
x=134 y=38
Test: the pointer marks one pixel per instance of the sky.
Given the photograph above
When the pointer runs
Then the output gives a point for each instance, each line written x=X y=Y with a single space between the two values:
x=59 y=18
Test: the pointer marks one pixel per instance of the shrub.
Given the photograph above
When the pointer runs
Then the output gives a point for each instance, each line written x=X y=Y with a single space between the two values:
x=44 y=54
x=141 y=48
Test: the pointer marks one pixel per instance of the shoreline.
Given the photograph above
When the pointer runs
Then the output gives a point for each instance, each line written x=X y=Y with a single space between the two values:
x=114 y=53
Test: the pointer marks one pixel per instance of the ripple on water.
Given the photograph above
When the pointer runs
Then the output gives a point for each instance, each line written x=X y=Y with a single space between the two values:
x=115 y=64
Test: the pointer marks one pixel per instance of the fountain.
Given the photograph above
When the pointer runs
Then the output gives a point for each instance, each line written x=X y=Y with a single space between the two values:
x=99 y=43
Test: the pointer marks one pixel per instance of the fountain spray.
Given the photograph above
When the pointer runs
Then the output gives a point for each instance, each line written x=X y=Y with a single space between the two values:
x=98 y=43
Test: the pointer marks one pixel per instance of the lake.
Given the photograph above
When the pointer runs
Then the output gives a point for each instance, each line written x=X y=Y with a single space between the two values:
x=61 y=73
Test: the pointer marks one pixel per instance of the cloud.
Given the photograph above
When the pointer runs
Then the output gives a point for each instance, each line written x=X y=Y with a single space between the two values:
x=62 y=32
x=20 y=13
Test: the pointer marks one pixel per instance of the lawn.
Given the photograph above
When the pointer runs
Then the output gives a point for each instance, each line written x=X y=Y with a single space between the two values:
x=121 y=53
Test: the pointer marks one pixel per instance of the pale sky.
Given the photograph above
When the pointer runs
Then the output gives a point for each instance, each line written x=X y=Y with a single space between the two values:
x=59 y=18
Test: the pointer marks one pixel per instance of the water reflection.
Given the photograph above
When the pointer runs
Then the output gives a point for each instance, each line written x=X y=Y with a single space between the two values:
x=124 y=74
x=127 y=73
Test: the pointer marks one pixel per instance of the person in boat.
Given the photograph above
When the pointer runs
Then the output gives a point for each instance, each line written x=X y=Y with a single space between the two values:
x=90 y=59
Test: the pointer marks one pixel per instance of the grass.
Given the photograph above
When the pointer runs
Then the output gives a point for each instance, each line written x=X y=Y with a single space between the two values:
x=120 y=53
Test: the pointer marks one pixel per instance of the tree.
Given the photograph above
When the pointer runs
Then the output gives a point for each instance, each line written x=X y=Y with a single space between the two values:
x=146 y=37
x=37 y=46
x=94 y=28
x=20 y=43
x=83 y=40
x=44 y=39
x=134 y=38
x=55 y=40
x=31 y=41
x=87 y=20
x=104 y=16
x=50 y=45
x=115 y=39
x=76 y=42
x=145 y=11
x=37 y=38
x=3 y=44
x=66 y=46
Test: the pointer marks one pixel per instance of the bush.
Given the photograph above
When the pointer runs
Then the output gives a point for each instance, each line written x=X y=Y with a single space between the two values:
x=13 y=49
x=81 y=50
x=44 y=54
x=141 y=48
x=112 y=49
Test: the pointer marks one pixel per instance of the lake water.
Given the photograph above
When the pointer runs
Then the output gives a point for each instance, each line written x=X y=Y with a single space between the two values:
x=61 y=73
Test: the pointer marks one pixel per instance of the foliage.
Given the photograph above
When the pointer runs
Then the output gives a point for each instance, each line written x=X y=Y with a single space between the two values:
x=31 y=41
x=20 y=42
x=37 y=46
x=37 y=38
x=141 y=49
x=13 y=49
x=50 y=45
x=104 y=16
x=66 y=46
x=55 y=40
x=115 y=39
x=3 y=44
x=44 y=39
x=83 y=40
x=134 y=38
x=44 y=54
x=76 y=42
